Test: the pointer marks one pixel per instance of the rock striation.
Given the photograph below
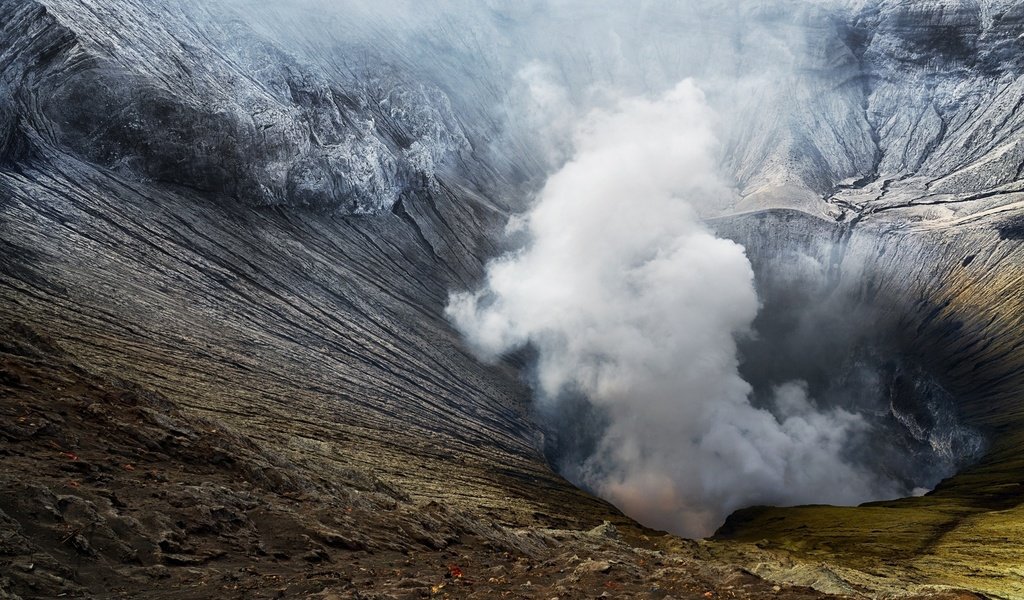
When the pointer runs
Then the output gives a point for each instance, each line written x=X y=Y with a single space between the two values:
x=136 y=89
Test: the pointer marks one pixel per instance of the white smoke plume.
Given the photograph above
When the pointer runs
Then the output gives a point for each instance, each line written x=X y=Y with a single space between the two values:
x=629 y=299
x=626 y=298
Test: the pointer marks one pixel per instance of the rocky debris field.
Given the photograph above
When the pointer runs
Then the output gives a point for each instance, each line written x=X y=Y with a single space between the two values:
x=109 y=490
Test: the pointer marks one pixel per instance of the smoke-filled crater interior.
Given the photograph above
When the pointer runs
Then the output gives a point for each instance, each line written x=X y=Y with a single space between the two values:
x=415 y=296
x=858 y=403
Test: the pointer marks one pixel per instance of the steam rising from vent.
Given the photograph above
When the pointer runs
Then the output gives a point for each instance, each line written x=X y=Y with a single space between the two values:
x=631 y=302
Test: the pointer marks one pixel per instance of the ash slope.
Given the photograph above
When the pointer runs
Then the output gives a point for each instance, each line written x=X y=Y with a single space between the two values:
x=316 y=337
x=264 y=243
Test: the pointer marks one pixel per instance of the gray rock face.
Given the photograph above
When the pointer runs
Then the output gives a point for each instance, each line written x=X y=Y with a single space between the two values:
x=864 y=107
x=945 y=96
x=8 y=127
x=188 y=94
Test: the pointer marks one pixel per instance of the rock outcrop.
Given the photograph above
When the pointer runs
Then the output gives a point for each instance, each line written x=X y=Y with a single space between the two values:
x=188 y=94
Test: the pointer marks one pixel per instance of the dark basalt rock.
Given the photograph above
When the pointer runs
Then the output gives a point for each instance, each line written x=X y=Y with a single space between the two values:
x=9 y=140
